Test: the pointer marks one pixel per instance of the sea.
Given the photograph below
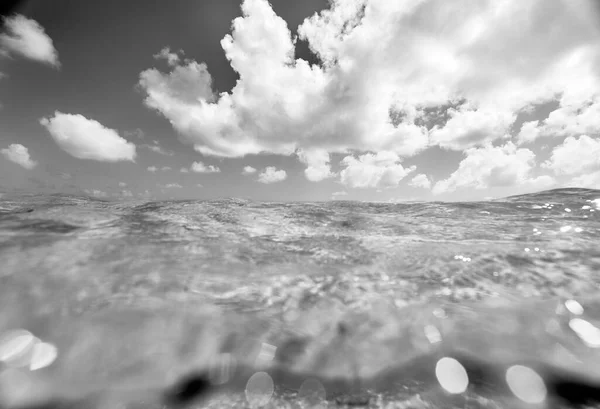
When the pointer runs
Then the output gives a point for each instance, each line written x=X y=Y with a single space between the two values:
x=236 y=303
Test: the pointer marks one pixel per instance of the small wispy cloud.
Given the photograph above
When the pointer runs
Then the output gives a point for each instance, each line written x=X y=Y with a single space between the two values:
x=19 y=154
x=165 y=168
x=173 y=186
x=152 y=169
x=200 y=167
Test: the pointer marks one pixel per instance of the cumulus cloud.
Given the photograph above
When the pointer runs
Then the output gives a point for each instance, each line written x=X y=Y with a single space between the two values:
x=86 y=138
x=152 y=169
x=122 y=184
x=173 y=186
x=126 y=193
x=317 y=161
x=272 y=175
x=184 y=170
x=248 y=170
x=575 y=157
x=200 y=167
x=165 y=168
x=19 y=154
x=26 y=37
x=421 y=180
x=380 y=170
x=395 y=76
x=569 y=120
x=492 y=167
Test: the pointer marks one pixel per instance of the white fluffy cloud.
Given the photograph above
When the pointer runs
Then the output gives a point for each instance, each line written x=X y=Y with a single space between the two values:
x=19 y=154
x=391 y=75
x=317 y=161
x=421 y=180
x=26 y=37
x=570 y=119
x=575 y=157
x=380 y=170
x=86 y=138
x=492 y=167
x=173 y=186
x=272 y=175
x=248 y=170
x=200 y=167
x=184 y=170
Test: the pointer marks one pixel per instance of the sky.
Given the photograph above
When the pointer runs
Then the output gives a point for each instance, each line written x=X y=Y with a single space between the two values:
x=313 y=100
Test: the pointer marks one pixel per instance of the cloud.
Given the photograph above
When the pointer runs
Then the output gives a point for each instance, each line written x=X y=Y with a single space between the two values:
x=380 y=170
x=200 y=185
x=26 y=37
x=85 y=138
x=19 y=154
x=122 y=184
x=248 y=170
x=575 y=157
x=336 y=195
x=157 y=149
x=317 y=161
x=173 y=186
x=393 y=76
x=575 y=119
x=137 y=133
x=492 y=167
x=184 y=170
x=165 y=168
x=272 y=175
x=152 y=169
x=589 y=180
x=126 y=193
x=96 y=193
x=200 y=167
x=166 y=54
x=421 y=180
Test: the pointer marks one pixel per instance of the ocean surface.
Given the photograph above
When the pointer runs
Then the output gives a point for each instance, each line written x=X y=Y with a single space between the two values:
x=234 y=303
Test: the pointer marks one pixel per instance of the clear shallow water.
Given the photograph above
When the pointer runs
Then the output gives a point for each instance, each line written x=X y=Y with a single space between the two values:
x=379 y=305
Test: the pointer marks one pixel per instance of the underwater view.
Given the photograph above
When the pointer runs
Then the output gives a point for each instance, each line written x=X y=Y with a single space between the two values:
x=235 y=303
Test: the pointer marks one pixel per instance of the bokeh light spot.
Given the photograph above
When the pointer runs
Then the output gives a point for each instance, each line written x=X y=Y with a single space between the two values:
x=574 y=307
x=526 y=384
x=588 y=333
x=259 y=389
x=44 y=354
x=312 y=394
x=15 y=344
x=451 y=375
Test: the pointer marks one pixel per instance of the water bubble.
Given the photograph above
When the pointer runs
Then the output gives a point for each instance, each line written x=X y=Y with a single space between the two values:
x=574 y=307
x=312 y=393
x=567 y=210
x=536 y=249
x=578 y=229
x=588 y=333
x=565 y=229
x=44 y=354
x=259 y=389
x=451 y=375
x=527 y=249
x=526 y=384
x=15 y=344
